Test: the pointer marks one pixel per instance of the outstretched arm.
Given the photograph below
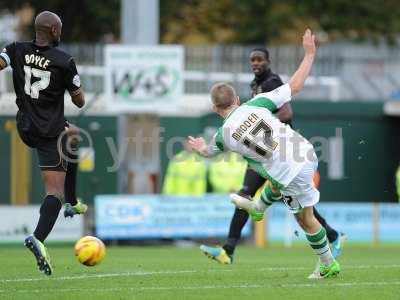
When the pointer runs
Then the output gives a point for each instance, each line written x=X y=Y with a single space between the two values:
x=208 y=150
x=278 y=97
x=199 y=145
x=296 y=82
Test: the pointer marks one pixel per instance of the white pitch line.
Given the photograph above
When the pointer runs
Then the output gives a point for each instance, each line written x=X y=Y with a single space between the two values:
x=170 y=272
x=350 y=267
x=105 y=275
x=342 y=284
x=208 y=287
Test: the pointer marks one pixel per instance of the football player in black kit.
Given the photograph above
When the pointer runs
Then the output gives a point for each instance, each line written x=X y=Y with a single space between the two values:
x=41 y=75
x=264 y=81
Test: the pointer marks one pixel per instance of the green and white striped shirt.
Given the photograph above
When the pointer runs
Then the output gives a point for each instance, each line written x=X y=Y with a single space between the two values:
x=272 y=148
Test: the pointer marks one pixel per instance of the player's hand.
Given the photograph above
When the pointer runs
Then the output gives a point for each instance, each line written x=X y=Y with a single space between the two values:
x=309 y=42
x=198 y=144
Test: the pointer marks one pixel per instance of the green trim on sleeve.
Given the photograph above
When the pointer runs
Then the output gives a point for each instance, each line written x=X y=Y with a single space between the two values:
x=257 y=166
x=219 y=140
x=263 y=102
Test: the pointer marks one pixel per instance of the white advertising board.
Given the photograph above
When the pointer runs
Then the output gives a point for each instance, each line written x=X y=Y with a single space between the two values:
x=17 y=222
x=143 y=78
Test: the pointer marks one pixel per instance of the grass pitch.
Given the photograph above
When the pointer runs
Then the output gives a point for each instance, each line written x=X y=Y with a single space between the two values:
x=184 y=273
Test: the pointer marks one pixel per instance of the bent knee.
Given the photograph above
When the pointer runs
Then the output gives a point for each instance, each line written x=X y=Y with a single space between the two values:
x=306 y=218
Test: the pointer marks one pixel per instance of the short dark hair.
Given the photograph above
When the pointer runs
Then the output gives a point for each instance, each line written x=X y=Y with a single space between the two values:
x=222 y=95
x=263 y=50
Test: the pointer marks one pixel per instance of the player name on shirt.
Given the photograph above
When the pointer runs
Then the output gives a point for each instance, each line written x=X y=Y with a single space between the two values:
x=251 y=119
x=37 y=60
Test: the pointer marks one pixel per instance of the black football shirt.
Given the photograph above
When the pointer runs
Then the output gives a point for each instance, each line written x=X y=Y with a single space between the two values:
x=267 y=82
x=41 y=75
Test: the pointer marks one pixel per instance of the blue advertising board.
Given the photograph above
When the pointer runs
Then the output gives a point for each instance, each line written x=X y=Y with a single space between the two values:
x=356 y=220
x=155 y=216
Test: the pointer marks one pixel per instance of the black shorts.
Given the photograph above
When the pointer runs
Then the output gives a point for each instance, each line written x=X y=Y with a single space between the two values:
x=252 y=182
x=51 y=151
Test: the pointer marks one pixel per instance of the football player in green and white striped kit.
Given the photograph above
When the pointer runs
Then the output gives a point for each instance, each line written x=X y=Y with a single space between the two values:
x=275 y=151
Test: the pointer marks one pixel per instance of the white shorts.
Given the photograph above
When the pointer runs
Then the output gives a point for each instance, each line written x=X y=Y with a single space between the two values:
x=301 y=192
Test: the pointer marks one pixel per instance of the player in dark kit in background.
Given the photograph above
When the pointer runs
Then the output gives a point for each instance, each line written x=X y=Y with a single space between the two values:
x=41 y=74
x=265 y=81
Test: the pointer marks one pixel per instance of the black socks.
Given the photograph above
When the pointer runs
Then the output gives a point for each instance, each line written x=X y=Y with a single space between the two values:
x=48 y=216
x=70 y=178
x=239 y=219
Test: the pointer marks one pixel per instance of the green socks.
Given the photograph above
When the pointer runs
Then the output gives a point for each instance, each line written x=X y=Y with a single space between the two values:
x=268 y=197
x=319 y=242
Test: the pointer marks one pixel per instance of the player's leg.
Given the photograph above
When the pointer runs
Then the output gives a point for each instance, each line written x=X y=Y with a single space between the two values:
x=53 y=169
x=73 y=205
x=331 y=233
x=49 y=210
x=252 y=182
x=335 y=238
x=300 y=196
x=256 y=208
x=72 y=154
x=317 y=238
x=51 y=206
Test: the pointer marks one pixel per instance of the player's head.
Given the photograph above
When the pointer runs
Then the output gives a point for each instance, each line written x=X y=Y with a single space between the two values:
x=48 y=26
x=259 y=60
x=223 y=97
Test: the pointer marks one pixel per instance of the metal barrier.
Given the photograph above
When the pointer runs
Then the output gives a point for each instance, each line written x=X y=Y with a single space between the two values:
x=344 y=71
x=196 y=83
x=366 y=71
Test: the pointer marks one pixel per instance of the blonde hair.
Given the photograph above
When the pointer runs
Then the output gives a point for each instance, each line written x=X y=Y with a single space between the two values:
x=222 y=95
